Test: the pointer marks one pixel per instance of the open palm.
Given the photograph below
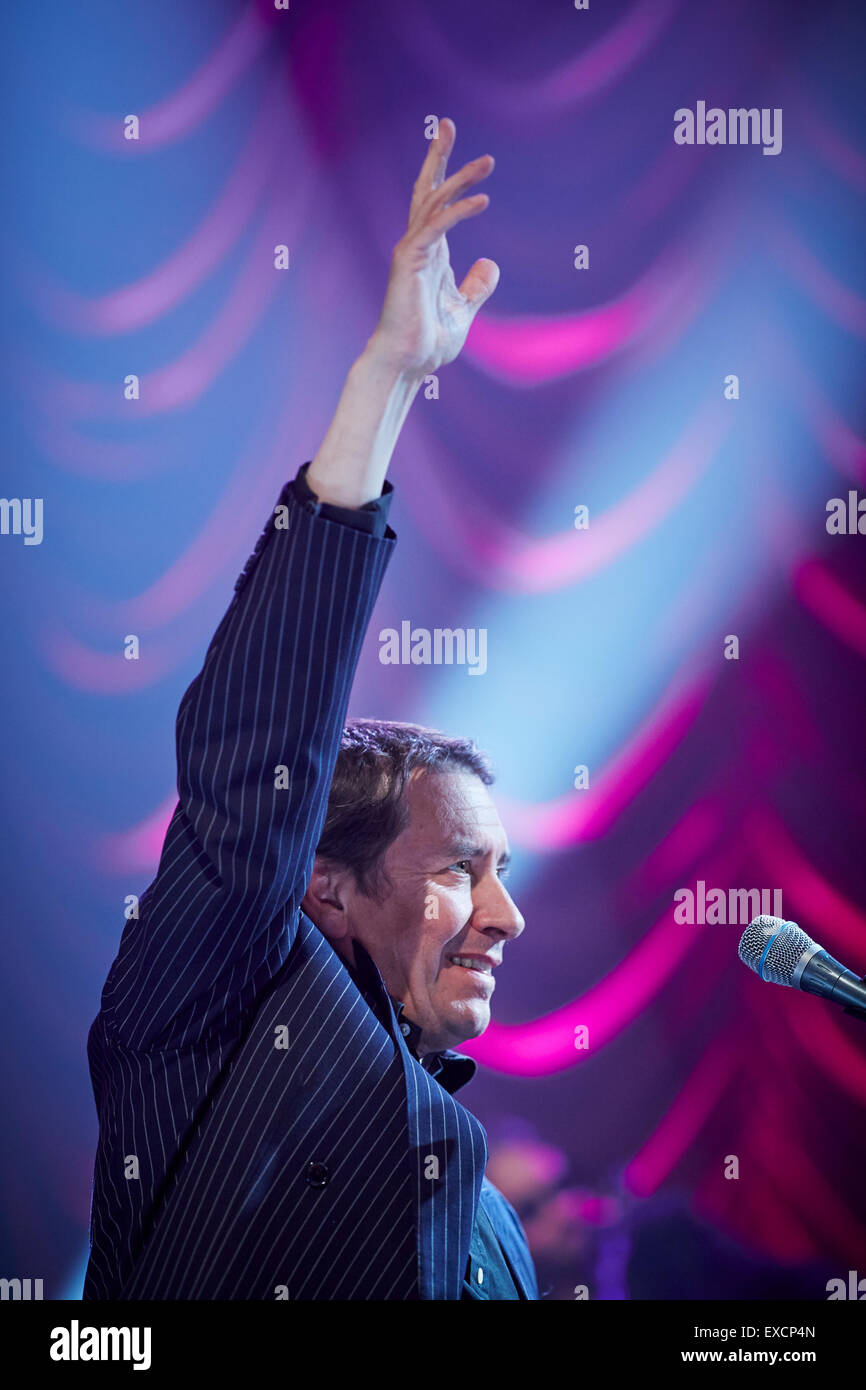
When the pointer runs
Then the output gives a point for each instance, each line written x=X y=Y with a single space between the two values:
x=425 y=317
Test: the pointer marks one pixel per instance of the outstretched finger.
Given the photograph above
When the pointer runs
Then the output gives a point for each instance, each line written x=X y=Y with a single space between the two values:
x=473 y=172
x=434 y=165
x=443 y=221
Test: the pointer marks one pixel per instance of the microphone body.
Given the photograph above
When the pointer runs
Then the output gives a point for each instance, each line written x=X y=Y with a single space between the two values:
x=782 y=953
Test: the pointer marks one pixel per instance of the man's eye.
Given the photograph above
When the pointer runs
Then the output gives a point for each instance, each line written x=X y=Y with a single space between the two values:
x=503 y=871
x=460 y=863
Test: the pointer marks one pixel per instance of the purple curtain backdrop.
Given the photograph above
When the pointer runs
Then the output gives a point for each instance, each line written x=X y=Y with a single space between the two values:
x=602 y=387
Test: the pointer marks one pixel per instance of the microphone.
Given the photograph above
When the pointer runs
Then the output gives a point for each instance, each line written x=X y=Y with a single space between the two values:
x=782 y=953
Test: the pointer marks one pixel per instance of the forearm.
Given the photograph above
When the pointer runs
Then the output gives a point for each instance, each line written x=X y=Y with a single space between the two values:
x=423 y=324
x=350 y=466
x=273 y=693
x=257 y=736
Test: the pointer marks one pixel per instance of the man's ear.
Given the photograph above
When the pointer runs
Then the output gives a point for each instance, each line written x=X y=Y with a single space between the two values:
x=325 y=901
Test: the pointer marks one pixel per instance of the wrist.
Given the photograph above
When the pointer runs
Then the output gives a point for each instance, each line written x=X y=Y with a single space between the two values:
x=382 y=361
x=350 y=466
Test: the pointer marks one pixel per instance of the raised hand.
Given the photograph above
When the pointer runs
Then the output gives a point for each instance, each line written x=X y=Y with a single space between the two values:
x=425 y=317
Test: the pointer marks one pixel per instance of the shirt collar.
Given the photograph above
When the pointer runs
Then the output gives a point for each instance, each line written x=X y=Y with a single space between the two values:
x=451 y=1069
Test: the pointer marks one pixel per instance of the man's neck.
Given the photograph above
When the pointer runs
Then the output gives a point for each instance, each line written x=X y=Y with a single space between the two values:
x=412 y=1032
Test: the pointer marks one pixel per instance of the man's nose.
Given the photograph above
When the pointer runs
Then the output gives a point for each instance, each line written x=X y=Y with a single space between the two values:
x=495 y=908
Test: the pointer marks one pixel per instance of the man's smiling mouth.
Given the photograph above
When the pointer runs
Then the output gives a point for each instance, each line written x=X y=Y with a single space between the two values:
x=483 y=964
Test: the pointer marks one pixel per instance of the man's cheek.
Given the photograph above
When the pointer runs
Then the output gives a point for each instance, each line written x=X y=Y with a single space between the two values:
x=450 y=907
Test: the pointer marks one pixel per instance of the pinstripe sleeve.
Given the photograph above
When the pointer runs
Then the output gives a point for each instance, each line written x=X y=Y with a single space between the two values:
x=258 y=732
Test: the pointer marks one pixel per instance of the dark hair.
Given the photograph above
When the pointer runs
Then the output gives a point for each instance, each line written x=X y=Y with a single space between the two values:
x=366 y=810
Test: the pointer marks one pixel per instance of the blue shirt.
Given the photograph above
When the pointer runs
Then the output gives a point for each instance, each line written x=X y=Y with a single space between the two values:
x=488 y=1273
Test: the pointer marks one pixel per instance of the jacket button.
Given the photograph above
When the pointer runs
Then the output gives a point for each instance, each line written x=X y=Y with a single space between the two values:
x=317 y=1174
x=480 y=1275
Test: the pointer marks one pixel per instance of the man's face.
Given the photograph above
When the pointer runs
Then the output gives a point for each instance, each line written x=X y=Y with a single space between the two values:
x=446 y=898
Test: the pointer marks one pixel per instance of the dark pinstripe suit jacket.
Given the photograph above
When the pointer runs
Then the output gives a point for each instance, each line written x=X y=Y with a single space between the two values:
x=264 y=1130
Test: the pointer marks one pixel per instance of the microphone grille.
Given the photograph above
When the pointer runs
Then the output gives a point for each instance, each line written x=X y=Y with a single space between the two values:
x=773 y=948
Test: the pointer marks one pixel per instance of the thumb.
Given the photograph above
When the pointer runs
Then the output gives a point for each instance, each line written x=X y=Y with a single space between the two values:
x=480 y=282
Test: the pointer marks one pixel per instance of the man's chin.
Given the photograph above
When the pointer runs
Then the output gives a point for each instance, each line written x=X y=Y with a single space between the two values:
x=469 y=1019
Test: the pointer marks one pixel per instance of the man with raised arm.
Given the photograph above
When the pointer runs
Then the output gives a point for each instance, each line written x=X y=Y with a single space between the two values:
x=272 y=1058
